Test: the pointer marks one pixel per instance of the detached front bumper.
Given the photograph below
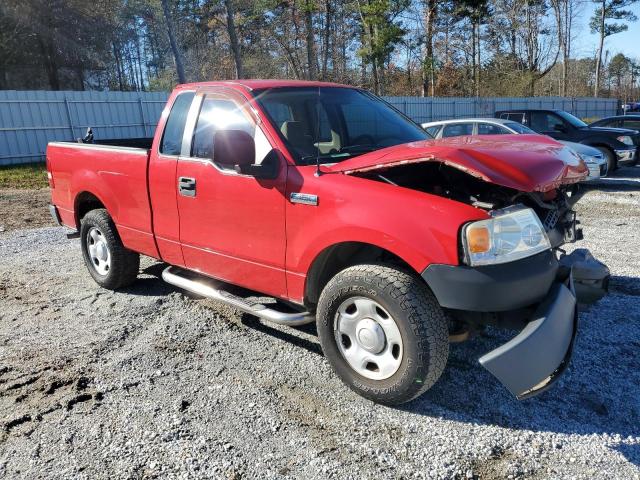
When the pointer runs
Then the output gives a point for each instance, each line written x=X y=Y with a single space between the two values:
x=533 y=360
x=538 y=290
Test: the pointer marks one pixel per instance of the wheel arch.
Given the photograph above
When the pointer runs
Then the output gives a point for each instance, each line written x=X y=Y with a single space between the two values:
x=339 y=256
x=601 y=144
x=84 y=202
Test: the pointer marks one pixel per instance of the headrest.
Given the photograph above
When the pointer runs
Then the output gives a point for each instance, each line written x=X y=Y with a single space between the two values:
x=294 y=133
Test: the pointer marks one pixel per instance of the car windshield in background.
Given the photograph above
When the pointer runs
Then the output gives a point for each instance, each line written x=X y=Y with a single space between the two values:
x=332 y=124
x=519 y=128
x=575 y=121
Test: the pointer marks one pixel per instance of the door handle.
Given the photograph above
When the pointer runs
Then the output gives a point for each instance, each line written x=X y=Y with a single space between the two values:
x=187 y=186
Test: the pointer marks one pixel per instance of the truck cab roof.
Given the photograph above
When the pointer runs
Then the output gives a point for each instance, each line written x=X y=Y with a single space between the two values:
x=258 y=84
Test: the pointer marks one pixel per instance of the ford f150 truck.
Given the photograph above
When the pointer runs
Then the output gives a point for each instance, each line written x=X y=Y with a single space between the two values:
x=347 y=214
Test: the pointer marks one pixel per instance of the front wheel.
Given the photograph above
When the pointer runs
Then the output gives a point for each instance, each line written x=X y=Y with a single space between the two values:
x=110 y=264
x=383 y=332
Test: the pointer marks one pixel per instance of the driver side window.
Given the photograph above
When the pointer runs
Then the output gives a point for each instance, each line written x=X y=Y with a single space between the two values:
x=217 y=113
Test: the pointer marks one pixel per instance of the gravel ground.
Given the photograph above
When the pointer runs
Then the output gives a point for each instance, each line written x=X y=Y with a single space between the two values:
x=24 y=208
x=148 y=382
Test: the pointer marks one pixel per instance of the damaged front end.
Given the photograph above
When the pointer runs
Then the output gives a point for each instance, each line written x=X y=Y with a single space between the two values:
x=534 y=359
x=537 y=293
x=530 y=362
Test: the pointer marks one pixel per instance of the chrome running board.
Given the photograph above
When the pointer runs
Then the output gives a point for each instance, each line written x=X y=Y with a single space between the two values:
x=211 y=289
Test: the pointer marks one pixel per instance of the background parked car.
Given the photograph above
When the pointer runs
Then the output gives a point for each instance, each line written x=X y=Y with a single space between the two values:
x=631 y=107
x=631 y=121
x=592 y=157
x=619 y=146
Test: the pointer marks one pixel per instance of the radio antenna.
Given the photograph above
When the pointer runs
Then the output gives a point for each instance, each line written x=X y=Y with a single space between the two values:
x=318 y=134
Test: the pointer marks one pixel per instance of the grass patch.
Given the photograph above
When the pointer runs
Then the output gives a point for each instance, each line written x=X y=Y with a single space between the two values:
x=29 y=175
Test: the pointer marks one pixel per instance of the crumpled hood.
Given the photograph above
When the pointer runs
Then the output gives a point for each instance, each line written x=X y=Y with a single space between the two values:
x=523 y=162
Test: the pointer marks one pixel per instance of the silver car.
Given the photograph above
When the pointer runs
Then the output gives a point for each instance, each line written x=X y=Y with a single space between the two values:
x=592 y=157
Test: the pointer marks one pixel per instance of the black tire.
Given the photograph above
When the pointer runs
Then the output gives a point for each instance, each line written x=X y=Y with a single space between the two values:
x=610 y=157
x=123 y=263
x=420 y=320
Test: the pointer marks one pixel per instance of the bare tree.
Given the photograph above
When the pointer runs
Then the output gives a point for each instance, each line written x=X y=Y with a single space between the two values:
x=430 y=11
x=233 y=38
x=608 y=10
x=538 y=43
x=312 y=60
x=326 y=37
x=177 y=54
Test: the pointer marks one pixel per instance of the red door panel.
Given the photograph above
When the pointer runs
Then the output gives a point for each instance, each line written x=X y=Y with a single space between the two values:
x=233 y=227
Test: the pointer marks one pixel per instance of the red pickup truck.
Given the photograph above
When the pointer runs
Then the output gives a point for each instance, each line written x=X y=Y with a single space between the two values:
x=347 y=214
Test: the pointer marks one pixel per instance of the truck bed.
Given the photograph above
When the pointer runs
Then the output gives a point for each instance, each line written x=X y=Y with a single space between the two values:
x=115 y=172
x=144 y=143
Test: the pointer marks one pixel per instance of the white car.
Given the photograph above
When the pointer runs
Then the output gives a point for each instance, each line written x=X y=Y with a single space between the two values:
x=593 y=158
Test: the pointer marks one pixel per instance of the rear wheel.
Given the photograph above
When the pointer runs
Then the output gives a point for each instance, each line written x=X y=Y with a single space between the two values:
x=110 y=264
x=610 y=157
x=383 y=332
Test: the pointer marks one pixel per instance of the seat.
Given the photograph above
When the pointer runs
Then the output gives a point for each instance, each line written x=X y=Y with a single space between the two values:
x=294 y=132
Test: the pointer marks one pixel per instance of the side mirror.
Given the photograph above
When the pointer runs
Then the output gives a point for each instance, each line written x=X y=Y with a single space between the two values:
x=233 y=147
x=236 y=149
x=268 y=169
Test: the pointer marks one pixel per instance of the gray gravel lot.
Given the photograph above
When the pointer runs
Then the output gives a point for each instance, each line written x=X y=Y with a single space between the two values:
x=148 y=382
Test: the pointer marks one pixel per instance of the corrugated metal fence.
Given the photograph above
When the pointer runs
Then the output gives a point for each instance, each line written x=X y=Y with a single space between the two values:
x=431 y=109
x=30 y=119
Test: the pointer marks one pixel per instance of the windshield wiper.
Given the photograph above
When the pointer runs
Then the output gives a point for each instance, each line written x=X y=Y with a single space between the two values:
x=342 y=153
x=321 y=157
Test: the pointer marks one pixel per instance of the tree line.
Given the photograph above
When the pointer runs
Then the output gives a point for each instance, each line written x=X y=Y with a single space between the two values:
x=392 y=47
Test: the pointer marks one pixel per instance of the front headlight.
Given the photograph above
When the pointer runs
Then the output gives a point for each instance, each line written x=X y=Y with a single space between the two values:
x=626 y=139
x=591 y=159
x=511 y=234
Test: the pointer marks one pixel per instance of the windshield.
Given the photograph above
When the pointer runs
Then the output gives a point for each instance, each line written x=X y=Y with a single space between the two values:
x=333 y=123
x=576 y=122
x=519 y=128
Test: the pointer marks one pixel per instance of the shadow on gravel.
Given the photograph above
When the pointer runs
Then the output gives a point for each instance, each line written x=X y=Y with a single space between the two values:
x=625 y=285
x=254 y=323
x=630 y=452
x=152 y=285
x=625 y=179
x=599 y=394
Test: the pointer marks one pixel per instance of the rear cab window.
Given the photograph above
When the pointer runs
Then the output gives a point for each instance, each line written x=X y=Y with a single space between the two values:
x=171 y=142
